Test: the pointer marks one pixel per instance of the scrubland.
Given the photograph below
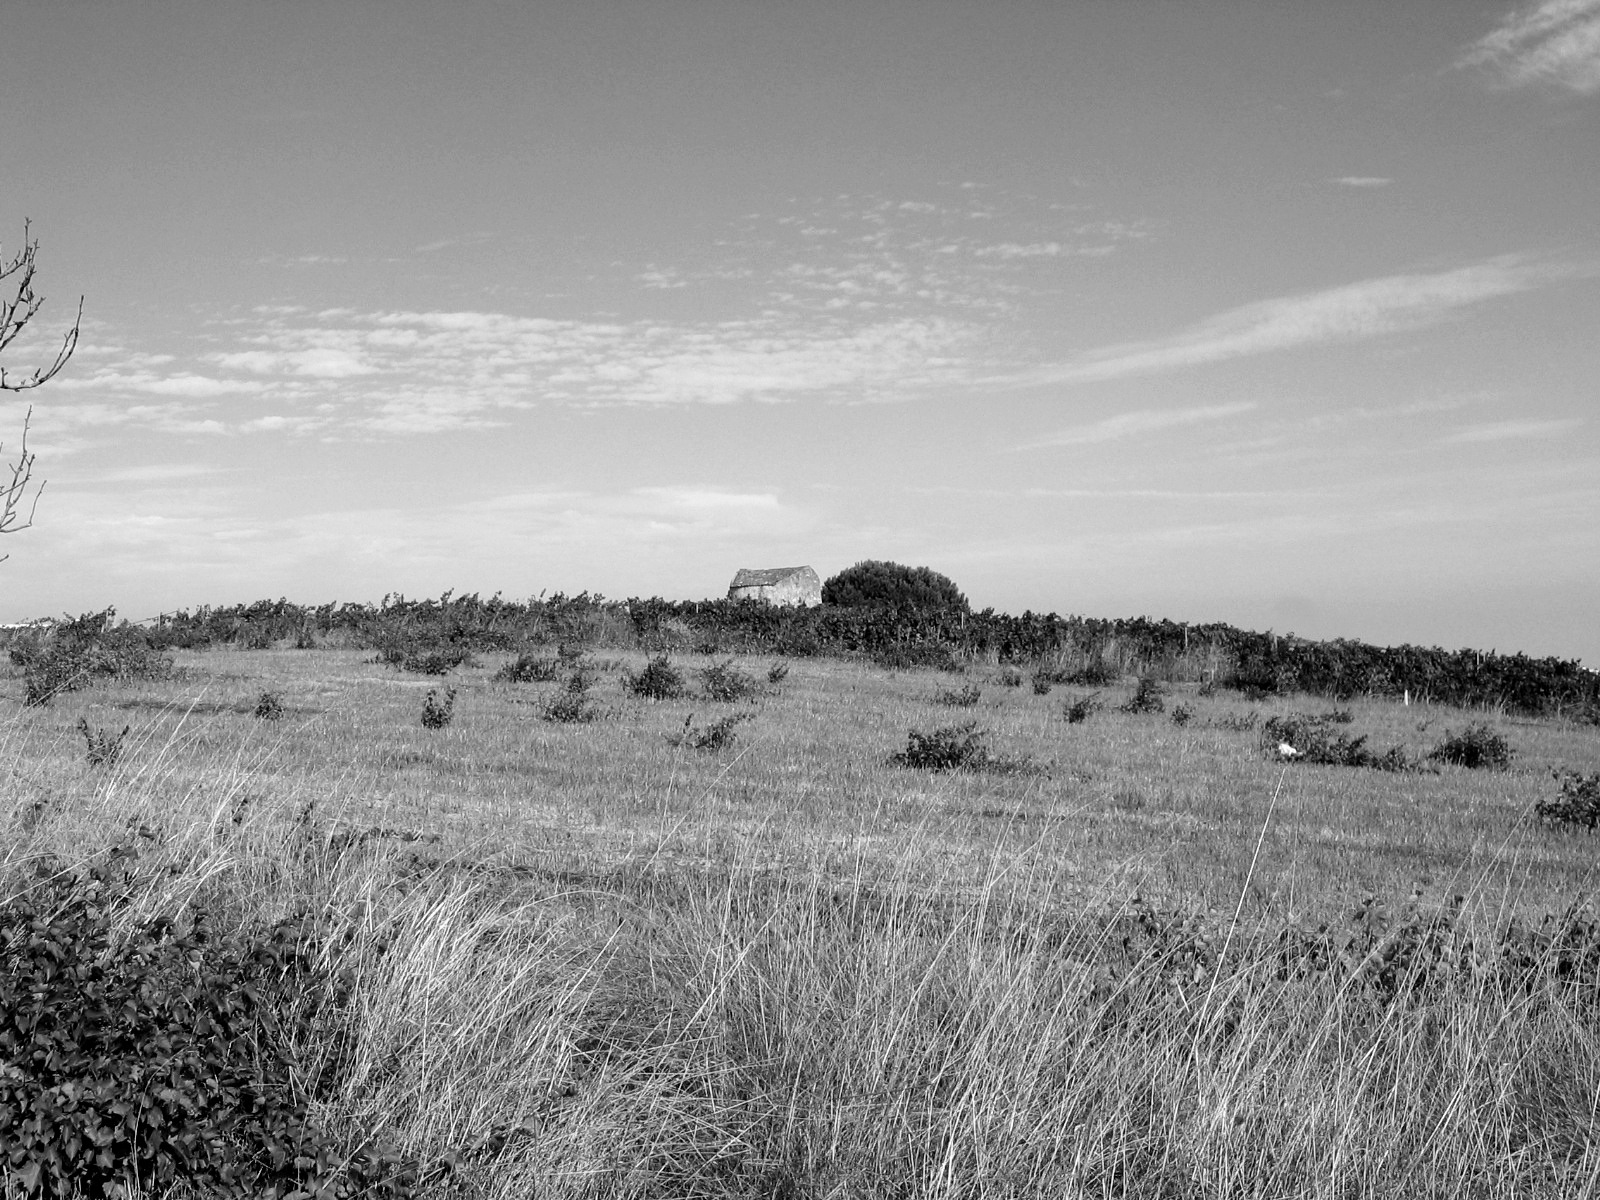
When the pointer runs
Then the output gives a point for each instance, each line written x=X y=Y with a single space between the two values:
x=586 y=958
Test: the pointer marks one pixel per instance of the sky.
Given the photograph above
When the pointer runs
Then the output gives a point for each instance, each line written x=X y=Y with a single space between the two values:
x=1283 y=315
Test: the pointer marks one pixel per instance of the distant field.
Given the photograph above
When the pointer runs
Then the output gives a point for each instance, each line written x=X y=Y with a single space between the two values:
x=593 y=962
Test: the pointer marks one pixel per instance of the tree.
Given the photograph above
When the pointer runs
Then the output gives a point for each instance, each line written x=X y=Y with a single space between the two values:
x=871 y=583
x=19 y=304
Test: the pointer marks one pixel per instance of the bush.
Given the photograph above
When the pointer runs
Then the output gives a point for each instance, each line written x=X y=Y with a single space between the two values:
x=726 y=683
x=529 y=668
x=1147 y=698
x=104 y=750
x=659 y=680
x=269 y=706
x=437 y=714
x=924 y=654
x=777 y=673
x=436 y=660
x=1182 y=714
x=954 y=748
x=1307 y=737
x=1474 y=747
x=963 y=698
x=1097 y=672
x=1010 y=677
x=874 y=584
x=86 y=648
x=1081 y=708
x=147 y=1057
x=570 y=707
x=1043 y=681
x=1579 y=802
x=719 y=735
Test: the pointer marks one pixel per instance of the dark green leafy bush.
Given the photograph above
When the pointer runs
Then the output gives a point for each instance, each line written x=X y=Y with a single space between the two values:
x=529 y=668
x=1043 y=681
x=1182 y=714
x=965 y=697
x=1010 y=677
x=76 y=652
x=726 y=683
x=875 y=584
x=436 y=714
x=1309 y=737
x=1081 y=708
x=1475 y=747
x=777 y=673
x=151 y=1056
x=571 y=708
x=1147 y=698
x=659 y=680
x=103 y=749
x=1579 y=802
x=955 y=748
x=269 y=706
x=718 y=735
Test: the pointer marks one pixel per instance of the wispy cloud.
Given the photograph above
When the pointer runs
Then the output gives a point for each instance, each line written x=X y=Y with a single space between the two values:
x=1141 y=421
x=1501 y=431
x=1371 y=308
x=1556 y=41
x=1363 y=181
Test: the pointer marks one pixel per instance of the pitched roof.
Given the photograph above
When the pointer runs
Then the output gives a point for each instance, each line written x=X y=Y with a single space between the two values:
x=762 y=577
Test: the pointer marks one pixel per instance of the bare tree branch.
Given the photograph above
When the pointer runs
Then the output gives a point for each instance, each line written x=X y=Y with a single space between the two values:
x=19 y=304
x=21 y=307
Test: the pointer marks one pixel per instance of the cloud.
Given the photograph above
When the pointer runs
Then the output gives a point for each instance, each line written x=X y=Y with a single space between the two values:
x=1556 y=41
x=1371 y=308
x=1500 y=431
x=1133 y=424
x=1363 y=181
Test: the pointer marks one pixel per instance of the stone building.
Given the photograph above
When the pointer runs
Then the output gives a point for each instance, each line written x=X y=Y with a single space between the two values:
x=777 y=585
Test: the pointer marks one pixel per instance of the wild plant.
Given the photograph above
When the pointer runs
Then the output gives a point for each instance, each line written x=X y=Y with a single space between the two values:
x=103 y=748
x=1182 y=714
x=1309 y=738
x=1043 y=681
x=955 y=748
x=436 y=714
x=777 y=673
x=659 y=680
x=269 y=706
x=1147 y=698
x=965 y=697
x=718 y=735
x=529 y=668
x=1475 y=747
x=726 y=683
x=1010 y=677
x=1080 y=708
x=1579 y=802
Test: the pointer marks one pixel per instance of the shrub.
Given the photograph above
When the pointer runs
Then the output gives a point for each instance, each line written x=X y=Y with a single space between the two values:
x=529 y=668
x=1307 y=737
x=874 y=584
x=572 y=707
x=1097 y=672
x=963 y=698
x=1042 y=683
x=1240 y=722
x=717 y=736
x=1474 y=747
x=1579 y=802
x=1010 y=677
x=659 y=680
x=777 y=673
x=269 y=706
x=104 y=750
x=1147 y=698
x=1182 y=714
x=954 y=748
x=86 y=648
x=725 y=682
x=924 y=654
x=1081 y=708
x=146 y=1058
x=436 y=715
x=437 y=660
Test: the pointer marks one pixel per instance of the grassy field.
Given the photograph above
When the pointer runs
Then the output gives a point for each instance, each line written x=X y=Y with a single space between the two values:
x=588 y=961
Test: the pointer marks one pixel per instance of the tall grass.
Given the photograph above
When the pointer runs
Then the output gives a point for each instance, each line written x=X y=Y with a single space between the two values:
x=623 y=970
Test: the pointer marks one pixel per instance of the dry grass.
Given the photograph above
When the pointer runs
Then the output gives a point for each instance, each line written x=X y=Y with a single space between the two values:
x=796 y=969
